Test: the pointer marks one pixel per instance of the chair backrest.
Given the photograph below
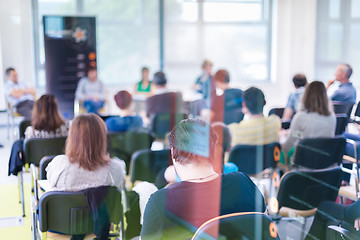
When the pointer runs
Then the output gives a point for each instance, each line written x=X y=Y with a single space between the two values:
x=252 y=159
x=44 y=162
x=357 y=111
x=342 y=107
x=238 y=226
x=162 y=123
x=319 y=153
x=304 y=190
x=22 y=127
x=341 y=123
x=124 y=144
x=37 y=148
x=277 y=111
x=233 y=116
x=69 y=213
x=146 y=164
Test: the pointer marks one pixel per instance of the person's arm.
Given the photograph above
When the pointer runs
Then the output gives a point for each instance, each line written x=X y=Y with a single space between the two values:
x=357 y=224
x=54 y=170
x=102 y=93
x=79 y=93
x=329 y=83
x=288 y=113
x=294 y=134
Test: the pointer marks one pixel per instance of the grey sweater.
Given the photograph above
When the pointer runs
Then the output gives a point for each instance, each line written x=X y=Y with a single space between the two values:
x=309 y=125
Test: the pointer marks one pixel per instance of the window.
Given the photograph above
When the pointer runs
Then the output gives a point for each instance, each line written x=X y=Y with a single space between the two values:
x=338 y=35
x=232 y=34
x=235 y=34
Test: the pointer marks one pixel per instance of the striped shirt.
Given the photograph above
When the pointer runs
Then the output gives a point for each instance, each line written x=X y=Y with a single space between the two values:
x=256 y=131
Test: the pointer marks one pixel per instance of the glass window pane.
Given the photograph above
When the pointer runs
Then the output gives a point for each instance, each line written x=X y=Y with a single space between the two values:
x=232 y=12
x=178 y=10
x=243 y=50
x=334 y=9
x=127 y=38
x=355 y=8
x=331 y=37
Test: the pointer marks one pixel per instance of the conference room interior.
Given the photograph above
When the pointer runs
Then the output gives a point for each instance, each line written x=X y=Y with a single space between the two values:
x=260 y=43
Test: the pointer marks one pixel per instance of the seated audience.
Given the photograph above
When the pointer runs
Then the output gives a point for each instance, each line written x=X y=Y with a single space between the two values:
x=19 y=95
x=346 y=91
x=315 y=118
x=144 y=86
x=292 y=105
x=256 y=129
x=204 y=79
x=202 y=193
x=91 y=91
x=330 y=213
x=46 y=121
x=128 y=119
x=163 y=100
x=225 y=107
x=86 y=163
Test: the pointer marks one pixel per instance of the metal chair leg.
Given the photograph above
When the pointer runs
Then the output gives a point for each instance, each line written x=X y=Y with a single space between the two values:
x=22 y=193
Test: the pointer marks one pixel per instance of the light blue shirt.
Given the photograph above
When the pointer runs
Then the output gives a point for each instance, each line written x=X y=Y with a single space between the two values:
x=345 y=93
x=9 y=86
x=87 y=89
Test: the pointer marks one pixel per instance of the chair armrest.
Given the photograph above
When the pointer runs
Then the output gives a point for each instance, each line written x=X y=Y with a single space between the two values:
x=349 y=159
x=289 y=212
x=343 y=231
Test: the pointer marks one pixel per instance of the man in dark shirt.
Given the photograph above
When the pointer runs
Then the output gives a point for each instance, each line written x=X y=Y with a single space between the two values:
x=177 y=211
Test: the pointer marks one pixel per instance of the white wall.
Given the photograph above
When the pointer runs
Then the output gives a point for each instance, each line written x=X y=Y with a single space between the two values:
x=17 y=45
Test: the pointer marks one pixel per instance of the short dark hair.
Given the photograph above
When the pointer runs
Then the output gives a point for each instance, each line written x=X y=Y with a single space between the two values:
x=143 y=69
x=90 y=68
x=123 y=99
x=347 y=69
x=254 y=100
x=222 y=75
x=8 y=71
x=159 y=78
x=185 y=137
x=299 y=80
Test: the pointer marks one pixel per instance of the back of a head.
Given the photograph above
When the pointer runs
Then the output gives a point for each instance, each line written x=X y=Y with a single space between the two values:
x=315 y=98
x=45 y=114
x=299 y=80
x=222 y=76
x=123 y=99
x=347 y=69
x=192 y=141
x=159 y=79
x=254 y=100
x=87 y=142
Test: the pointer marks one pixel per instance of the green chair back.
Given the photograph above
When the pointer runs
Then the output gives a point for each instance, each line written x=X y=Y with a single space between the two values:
x=124 y=144
x=69 y=213
x=37 y=148
x=146 y=164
